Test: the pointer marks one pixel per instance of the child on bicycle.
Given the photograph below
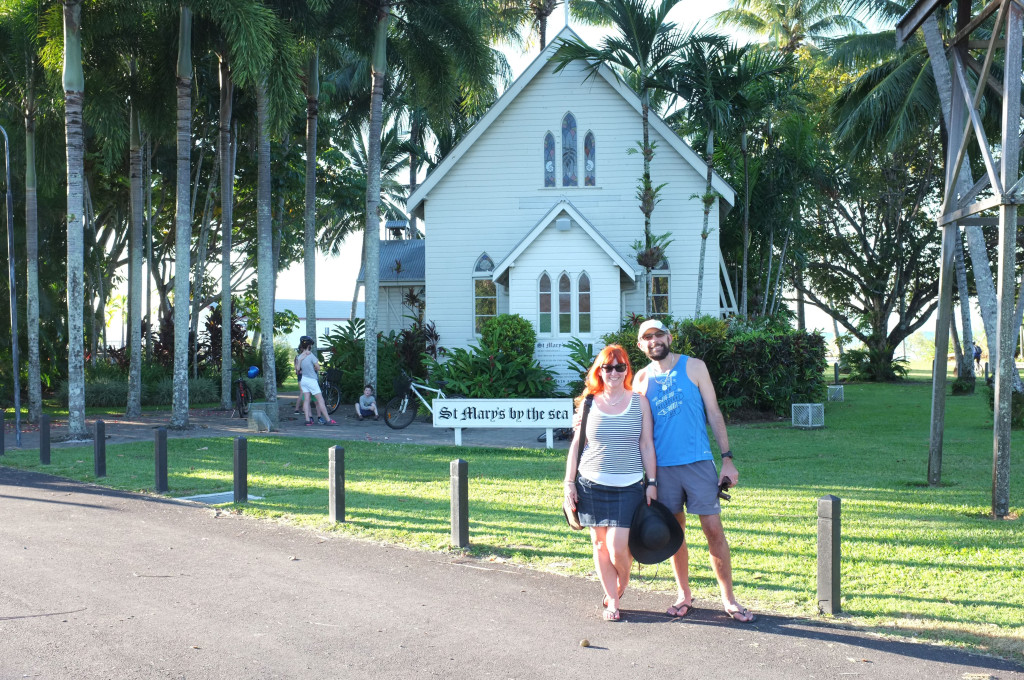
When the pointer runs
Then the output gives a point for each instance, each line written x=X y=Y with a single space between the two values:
x=309 y=384
x=367 y=404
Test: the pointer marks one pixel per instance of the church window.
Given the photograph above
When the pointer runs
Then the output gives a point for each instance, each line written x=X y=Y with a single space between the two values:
x=589 y=160
x=659 y=290
x=569 y=178
x=583 y=304
x=485 y=294
x=549 y=160
x=564 y=304
x=544 y=303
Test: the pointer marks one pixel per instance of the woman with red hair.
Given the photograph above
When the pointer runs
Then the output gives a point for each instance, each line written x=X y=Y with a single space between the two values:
x=607 y=484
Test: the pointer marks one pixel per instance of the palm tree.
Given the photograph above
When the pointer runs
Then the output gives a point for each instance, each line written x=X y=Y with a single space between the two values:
x=227 y=176
x=719 y=85
x=429 y=32
x=789 y=25
x=309 y=218
x=183 y=220
x=643 y=54
x=74 y=96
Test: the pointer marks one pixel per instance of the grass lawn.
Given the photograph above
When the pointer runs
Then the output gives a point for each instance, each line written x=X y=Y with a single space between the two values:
x=917 y=561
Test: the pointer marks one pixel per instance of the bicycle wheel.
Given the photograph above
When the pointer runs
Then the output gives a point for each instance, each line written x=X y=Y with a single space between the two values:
x=400 y=412
x=332 y=397
x=243 y=400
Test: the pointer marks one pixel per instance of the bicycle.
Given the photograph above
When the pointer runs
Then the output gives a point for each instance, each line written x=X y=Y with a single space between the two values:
x=243 y=396
x=329 y=381
x=402 y=409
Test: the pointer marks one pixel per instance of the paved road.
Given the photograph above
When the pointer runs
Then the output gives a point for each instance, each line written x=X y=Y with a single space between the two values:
x=97 y=583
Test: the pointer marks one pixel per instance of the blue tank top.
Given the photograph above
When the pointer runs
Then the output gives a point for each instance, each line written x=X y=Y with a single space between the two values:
x=680 y=424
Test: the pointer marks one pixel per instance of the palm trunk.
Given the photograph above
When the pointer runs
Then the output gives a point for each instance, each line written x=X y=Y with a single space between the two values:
x=309 y=236
x=746 y=226
x=35 y=391
x=183 y=222
x=74 y=96
x=150 y=276
x=371 y=237
x=200 y=274
x=967 y=361
x=227 y=177
x=647 y=198
x=768 y=271
x=265 y=256
x=708 y=200
x=415 y=132
x=134 y=407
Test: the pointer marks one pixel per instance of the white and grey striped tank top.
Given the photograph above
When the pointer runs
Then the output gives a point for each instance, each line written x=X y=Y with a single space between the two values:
x=612 y=454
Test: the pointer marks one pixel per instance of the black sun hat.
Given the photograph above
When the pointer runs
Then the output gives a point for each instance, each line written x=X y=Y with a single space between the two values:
x=654 y=534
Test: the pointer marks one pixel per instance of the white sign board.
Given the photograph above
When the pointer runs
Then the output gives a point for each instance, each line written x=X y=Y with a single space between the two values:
x=533 y=413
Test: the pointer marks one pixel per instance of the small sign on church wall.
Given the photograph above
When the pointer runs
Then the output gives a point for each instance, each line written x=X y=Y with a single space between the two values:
x=534 y=413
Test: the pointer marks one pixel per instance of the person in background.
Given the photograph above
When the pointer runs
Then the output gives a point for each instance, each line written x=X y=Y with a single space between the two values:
x=367 y=404
x=303 y=395
x=683 y=404
x=608 y=485
x=310 y=368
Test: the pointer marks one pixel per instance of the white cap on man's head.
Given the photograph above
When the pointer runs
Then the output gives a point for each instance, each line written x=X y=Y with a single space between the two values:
x=650 y=325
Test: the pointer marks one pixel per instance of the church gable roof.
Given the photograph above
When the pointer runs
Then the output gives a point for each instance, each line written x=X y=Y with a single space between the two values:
x=418 y=196
x=567 y=208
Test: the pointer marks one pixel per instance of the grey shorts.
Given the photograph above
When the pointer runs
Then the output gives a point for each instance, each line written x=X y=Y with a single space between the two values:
x=694 y=485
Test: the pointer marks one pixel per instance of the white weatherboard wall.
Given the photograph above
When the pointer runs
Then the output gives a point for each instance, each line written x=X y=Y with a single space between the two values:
x=494 y=195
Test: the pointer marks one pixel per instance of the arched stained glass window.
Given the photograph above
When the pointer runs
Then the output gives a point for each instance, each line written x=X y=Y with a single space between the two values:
x=583 y=308
x=549 y=160
x=564 y=304
x=660 y=290
x=545 y=303
x=589 y=160
x=569 y=178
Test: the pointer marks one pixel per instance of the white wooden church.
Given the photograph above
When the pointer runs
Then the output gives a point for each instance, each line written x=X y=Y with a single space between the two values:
x=535 y=213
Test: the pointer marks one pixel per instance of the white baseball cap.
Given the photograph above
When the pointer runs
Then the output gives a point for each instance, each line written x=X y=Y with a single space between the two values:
x=650 y=324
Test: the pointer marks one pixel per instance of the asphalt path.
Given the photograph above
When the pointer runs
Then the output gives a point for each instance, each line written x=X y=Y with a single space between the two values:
x=96 y=583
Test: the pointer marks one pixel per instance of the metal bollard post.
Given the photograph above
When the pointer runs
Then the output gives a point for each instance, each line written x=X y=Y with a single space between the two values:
x=986 y=371
x=835 y=368
x=336 y=483
x=99 y=450
x=160 y=458
x=241 y=469
x=460 y=502
x=44 y=439
x=829 y=554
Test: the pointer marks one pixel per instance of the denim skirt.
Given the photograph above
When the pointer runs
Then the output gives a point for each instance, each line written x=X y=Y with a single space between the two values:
x=607 y=506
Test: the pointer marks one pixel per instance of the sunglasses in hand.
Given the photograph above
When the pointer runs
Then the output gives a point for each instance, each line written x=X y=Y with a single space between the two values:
x=726 y=483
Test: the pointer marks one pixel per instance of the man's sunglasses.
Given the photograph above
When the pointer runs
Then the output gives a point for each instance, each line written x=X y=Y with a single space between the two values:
x=656 y=334
x=618 y=368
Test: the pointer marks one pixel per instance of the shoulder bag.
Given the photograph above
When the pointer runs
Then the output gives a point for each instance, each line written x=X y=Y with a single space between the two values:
x=573 y=518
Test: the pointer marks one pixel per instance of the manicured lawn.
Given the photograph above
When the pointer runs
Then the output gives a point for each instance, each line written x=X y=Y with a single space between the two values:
x=917 y=561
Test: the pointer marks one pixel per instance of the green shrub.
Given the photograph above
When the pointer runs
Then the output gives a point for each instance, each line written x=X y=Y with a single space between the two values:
x=758 y=365
x=478 y=373
x=283 y=358
x=509 y=334
x=345 y=345
x=200 y=391
x=962 y=386
x=1016 y=406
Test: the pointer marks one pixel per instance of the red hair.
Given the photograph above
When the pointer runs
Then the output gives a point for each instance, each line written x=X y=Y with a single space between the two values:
x=595 y=384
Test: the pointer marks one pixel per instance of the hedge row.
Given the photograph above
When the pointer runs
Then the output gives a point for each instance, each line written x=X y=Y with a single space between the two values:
x=756 y=366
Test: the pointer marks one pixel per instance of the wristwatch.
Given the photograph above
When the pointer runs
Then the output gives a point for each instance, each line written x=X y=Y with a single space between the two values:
x=652 y=482
x=727 y=454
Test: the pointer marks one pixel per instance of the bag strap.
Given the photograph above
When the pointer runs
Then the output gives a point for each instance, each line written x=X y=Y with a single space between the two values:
x=583 y=431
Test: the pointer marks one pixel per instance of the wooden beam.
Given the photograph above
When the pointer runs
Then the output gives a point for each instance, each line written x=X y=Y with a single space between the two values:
x=913 y=19
x=985 y=13
x=983 y=44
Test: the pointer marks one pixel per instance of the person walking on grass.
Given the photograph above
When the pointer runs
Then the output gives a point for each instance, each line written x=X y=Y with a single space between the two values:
x=366 y=407
x=683 y=402
x=310 y=368
x=604 y=481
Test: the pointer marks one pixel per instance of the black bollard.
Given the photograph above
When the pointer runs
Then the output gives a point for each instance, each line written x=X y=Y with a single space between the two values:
x=828 y=554
x=336 y=483
x=460 y=502
x=986 y=371
x=160 y=458
x=241 y=470
x=44 y=439
x=835 y=368
x=99 y=450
